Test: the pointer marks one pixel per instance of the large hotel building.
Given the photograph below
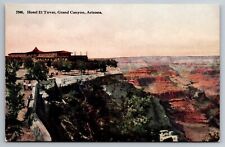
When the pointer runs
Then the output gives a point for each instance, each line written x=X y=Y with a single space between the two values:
x=41 y=55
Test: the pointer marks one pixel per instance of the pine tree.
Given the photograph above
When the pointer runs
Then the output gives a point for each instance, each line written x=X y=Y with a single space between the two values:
x=14 y=101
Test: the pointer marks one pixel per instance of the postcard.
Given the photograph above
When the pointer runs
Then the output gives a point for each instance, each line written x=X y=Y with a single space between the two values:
x=112 y=73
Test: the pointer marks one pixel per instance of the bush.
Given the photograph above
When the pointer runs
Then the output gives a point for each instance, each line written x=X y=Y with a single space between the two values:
x=28 y=63
x=37 y=72
x=63 y=65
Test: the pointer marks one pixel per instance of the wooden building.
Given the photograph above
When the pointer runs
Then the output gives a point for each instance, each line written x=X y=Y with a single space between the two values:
x=36 y=54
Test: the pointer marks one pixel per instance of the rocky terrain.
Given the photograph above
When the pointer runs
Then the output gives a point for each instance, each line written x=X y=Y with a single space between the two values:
x=105 y=109
x=188 y=88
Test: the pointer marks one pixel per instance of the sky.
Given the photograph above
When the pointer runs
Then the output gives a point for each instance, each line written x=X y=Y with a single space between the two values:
x=122 y=30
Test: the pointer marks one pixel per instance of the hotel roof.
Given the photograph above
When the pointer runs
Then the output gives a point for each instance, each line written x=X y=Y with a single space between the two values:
x=37 y=51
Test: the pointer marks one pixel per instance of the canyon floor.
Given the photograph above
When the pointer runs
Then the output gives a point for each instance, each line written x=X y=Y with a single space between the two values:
x=188 y=88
